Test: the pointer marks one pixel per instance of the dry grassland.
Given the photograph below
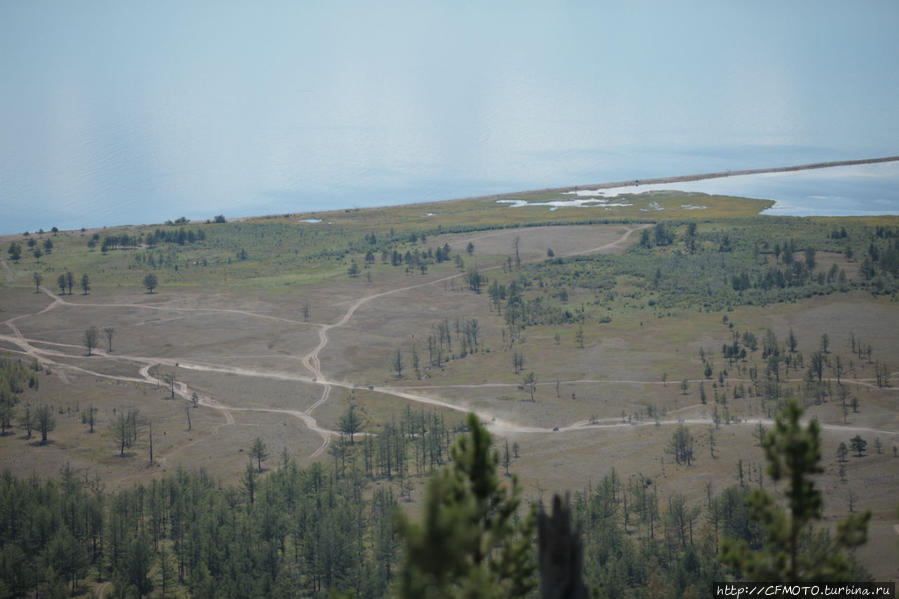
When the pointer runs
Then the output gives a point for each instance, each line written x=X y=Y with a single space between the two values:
x=250 y=357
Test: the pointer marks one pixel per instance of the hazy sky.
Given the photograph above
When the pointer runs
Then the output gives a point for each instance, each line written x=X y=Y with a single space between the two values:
x=118 y=111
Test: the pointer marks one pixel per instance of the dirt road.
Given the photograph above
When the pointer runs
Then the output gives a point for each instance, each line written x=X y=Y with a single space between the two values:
x=43 y=351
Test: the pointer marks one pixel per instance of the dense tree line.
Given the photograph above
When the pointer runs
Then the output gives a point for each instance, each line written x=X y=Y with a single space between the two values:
x=659 y=235
x=413 y=258
x=417 y=445
x=15 y=378
x=881 y=259
x=464 y=333
x=180 y=236
x=157 y=259
x=66 y=282
x=308 y=532
x=635 y=543
x=520 y=311
x=290 y=531
x=717 y=266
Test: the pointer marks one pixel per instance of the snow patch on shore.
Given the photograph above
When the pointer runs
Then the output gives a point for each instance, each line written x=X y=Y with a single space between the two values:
x=612 y=192
x=555 y=204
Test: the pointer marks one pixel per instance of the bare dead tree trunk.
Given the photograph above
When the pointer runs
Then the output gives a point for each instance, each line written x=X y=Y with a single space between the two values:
x=560 y=554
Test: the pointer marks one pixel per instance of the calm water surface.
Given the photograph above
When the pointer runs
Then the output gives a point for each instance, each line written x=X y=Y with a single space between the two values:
x=138 y=112
x=840 y=191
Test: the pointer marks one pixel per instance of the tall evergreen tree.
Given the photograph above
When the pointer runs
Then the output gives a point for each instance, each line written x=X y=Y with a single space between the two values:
x=45 y=421
x=793 y=551
x=150 y=282
x=109 y=332
x=858 y=445
x=15 y=251
x=471 y=542
x=125 y=429
x=133 y=578
x=398 y=363
x=259 y=452
x=350 y=423
x=91 y=335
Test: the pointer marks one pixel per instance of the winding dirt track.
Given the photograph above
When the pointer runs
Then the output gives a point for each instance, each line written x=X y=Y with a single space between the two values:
x=42 y=351
x=868 y=382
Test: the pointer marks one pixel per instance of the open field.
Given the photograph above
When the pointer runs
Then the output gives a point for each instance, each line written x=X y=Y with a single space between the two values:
x=278 y=345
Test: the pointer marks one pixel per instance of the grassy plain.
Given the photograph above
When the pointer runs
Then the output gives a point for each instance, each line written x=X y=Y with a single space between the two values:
x=610 y=336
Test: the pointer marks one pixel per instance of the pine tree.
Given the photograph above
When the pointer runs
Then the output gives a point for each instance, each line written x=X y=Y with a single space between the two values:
x=681 y=445
x=166 y=568
x=530 y=383
x=506 y=457
x=398 y=364
x=150 y=282
x=249 y=481
x=67 y=556
x=259 y=452
x=350 y=423
x=134 y=578
x=415 y=363
x=91 y=335
x=842 y=452
x=471 y=542
x=45 y=421
x=125 y=430
x=858 y=445
x=15 y=251
x=793 y=551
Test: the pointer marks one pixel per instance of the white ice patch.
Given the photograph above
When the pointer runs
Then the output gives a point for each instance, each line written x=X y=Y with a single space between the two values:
x=614 y=192
x=311 y=221
x=588 y=203
x=611 y=192
x=692 y=207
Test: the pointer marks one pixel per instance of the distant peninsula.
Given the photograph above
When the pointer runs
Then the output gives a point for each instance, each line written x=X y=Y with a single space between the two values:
x=714 y=175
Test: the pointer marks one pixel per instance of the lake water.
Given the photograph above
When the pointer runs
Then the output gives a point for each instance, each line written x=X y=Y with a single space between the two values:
x=868 y=189
x=140 y=112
